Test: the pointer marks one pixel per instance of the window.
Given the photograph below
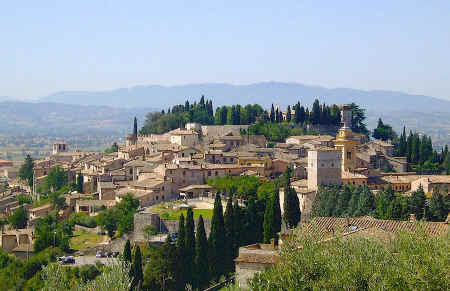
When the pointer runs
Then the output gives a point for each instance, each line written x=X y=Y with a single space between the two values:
x=209 y=173
x=182 y=155
x=157 y=197
x=162 y=188
x=323 y=165
x=349 y=155
x=162 y=197
x=131 y=171
x=216 y=173
x=184 y=173
x=332 y=165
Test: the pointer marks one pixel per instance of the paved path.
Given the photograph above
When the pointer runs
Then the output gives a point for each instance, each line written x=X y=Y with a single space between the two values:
x=91 y=260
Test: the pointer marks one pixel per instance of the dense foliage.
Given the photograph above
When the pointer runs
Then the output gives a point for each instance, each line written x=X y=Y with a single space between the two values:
x=411 y=261
x=18 y=219
x=178 y=116
x=113 y=149
x=421 y=155
x=119 y=218
x=384 y=131
x=343 y=201
x=114 y=276
x=26 y=170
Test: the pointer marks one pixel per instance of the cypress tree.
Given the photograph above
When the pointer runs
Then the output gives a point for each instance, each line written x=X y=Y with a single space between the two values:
x=315 y=112
x=272 y=217
x=366 y=203
x=272 y=114
x=417 y=203
x=127 y=252
x=394 y=210
x=288 y=114
x=181 y=251
x=201 y=256
x=229 y=237
x=189 y=248
x=135 y=128
x=269 y=231
x=353 y=203
x=276 y=211
x=26 y=170
x=302 y=115
x=297 y=113
x=345 y=194
x=80 y=181
x=237 y=227
x=252 y=223
x=136 y=274
x=291 y=203
x=216 y=241
x=437 y=209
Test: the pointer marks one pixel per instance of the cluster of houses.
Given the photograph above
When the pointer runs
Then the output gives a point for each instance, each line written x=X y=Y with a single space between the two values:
x=164 y=167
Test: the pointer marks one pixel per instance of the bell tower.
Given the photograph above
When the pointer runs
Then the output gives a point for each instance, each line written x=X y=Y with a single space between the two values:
x=345 y=141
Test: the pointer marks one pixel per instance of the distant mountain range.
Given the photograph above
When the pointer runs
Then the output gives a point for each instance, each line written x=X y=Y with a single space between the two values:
x=107 y=112
x=40 y=119
x=156 y=96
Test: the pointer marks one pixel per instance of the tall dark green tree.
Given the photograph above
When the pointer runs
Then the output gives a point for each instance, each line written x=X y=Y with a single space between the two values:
x=253 y=230
x=237 y=228
x=272 y=114
x=127 y=252
x=201 y=256
x=358 y=117
x=417 y=203
x=366 y=203
x=353 y=203
x=80 y=182
x=181 y=243
x=26 y=170
x=216 y=241
x=135 y=127
x=438 y=210
x=345 y=194
x=229 y=237
x=288 y=114
x=297 y=112
x=272 y=217
x=291 y=203
x=137 y=277
x=315 y=112
x=189 y=249
x=18 y=219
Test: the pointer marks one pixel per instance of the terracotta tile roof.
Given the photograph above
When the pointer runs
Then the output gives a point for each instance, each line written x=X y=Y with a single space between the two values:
x=325 y=224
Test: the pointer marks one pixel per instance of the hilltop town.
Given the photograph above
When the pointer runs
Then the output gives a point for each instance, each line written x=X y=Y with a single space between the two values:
x=162 y=172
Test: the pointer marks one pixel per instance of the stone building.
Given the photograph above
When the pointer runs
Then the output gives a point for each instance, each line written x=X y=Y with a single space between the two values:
x=324 y=167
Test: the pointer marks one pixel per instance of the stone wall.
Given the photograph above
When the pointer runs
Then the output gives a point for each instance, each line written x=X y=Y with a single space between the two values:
x=143 y=219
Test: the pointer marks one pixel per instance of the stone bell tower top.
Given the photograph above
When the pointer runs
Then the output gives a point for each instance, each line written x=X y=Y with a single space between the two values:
x=346 y=116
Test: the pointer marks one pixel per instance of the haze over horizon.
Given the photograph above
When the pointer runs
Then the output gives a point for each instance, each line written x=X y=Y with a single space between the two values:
x=52 y=46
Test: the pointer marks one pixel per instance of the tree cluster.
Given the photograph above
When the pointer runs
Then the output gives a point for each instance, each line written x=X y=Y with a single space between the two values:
x=384 y=131
x=178 y=116
x=346 y=201
x=26 y=170
x=119 y=218
x=421 y=155
x=417 y=262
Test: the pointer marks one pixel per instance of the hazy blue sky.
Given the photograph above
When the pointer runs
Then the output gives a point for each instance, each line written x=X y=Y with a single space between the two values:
x=49 y=46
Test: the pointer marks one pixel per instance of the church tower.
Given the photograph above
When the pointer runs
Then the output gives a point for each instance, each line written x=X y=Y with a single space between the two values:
x=345 y=141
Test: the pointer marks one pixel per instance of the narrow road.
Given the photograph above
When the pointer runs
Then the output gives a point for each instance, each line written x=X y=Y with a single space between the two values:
x=91 y=260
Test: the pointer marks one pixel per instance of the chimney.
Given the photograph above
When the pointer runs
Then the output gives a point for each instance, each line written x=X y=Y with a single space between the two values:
x=412 y=217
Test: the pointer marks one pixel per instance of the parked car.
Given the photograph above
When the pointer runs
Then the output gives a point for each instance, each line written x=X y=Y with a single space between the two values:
x=100 y=254
x=115 y=254
x=66 y=260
